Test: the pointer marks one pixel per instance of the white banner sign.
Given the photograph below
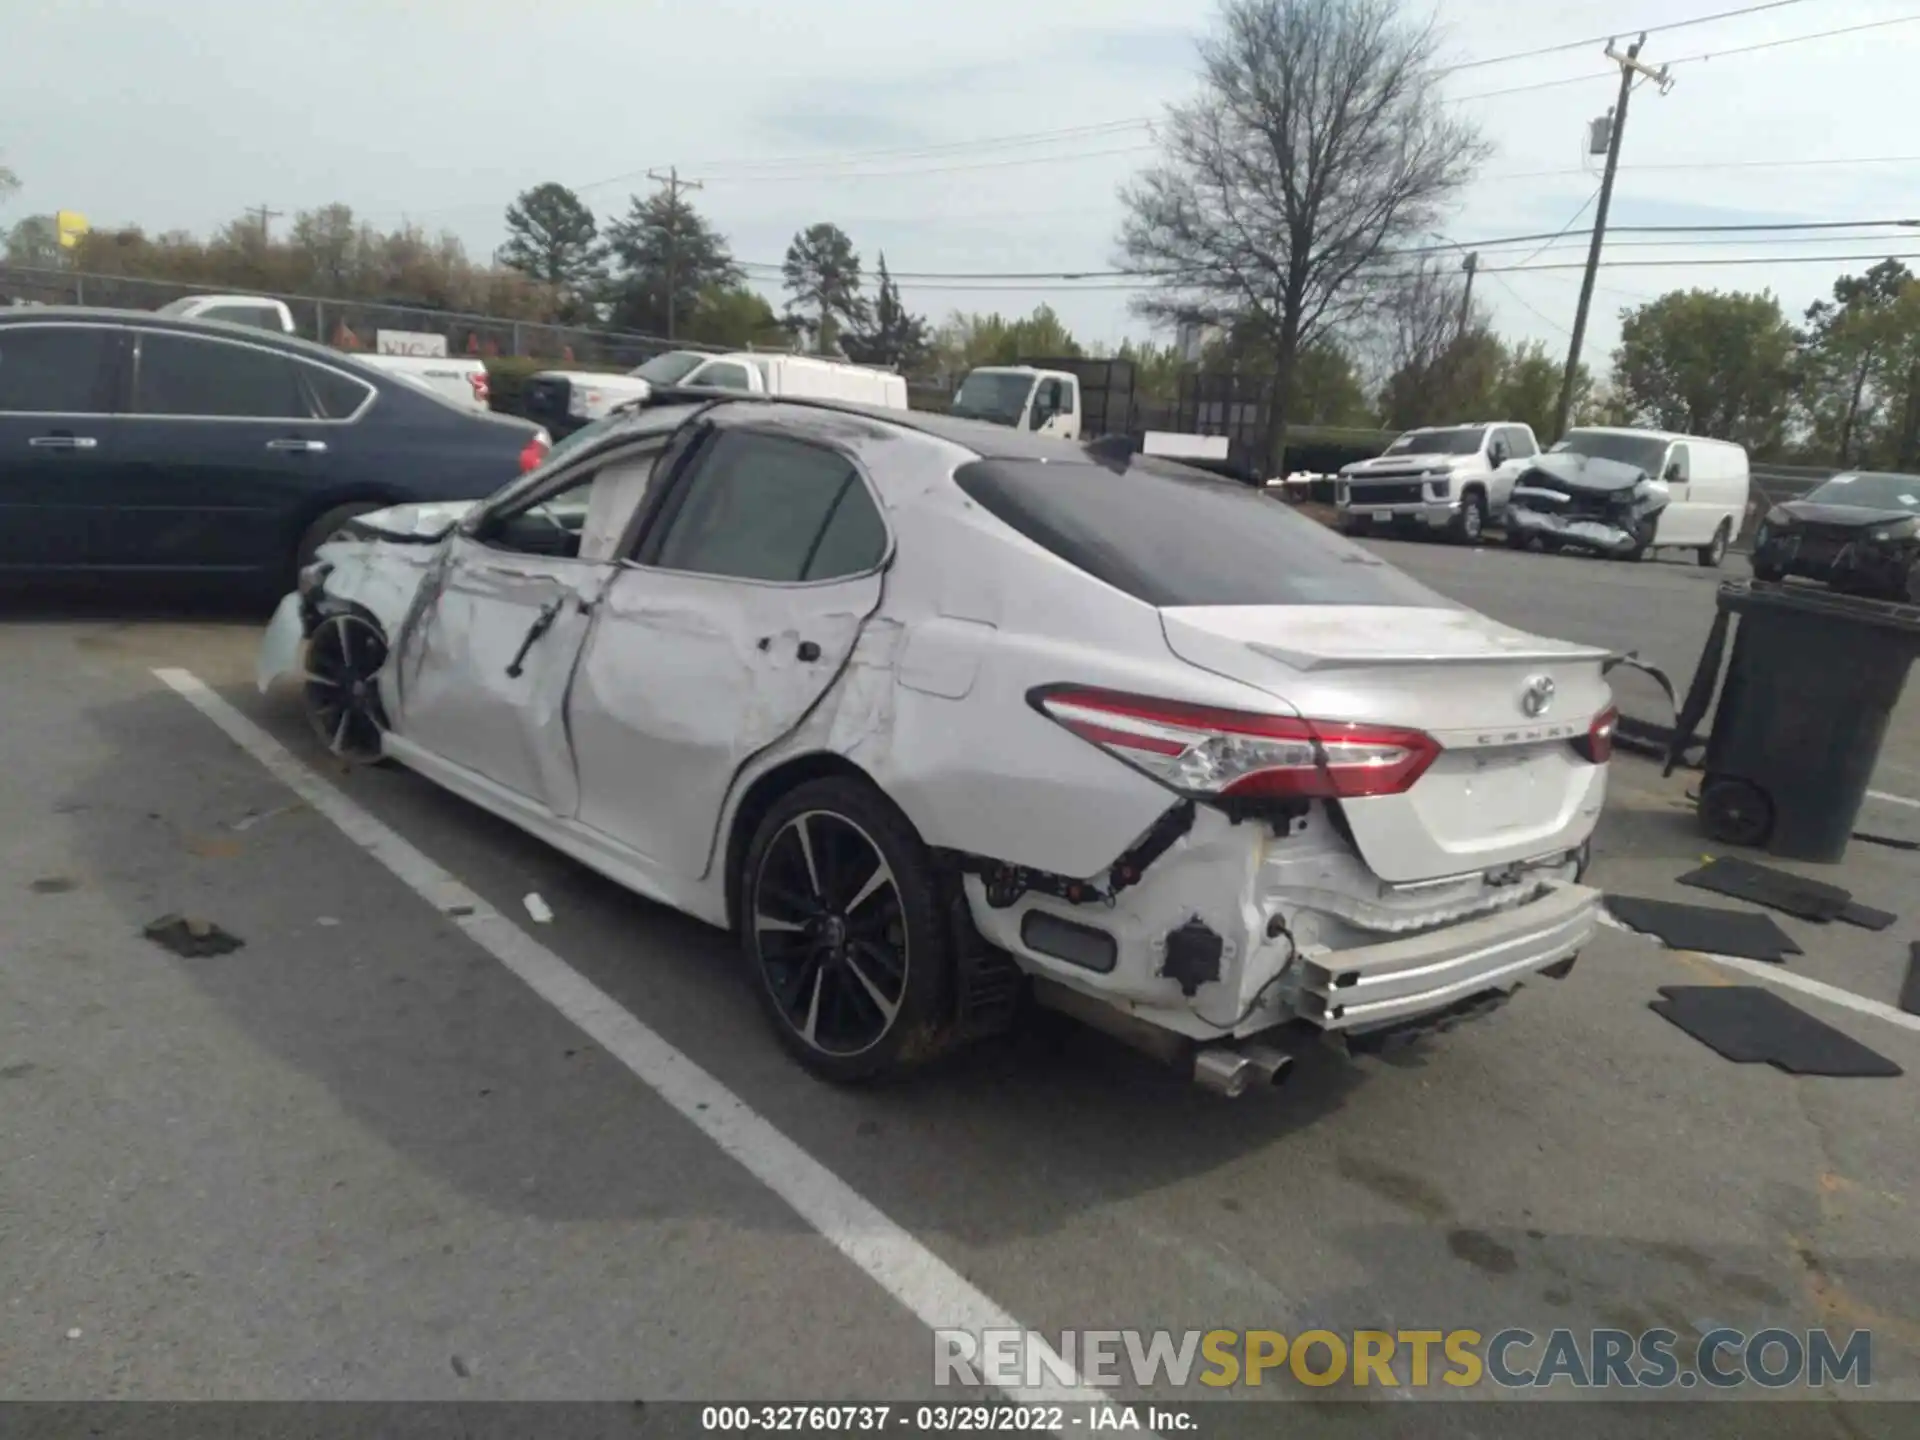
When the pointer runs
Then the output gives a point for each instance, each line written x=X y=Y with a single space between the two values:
x=410 y=342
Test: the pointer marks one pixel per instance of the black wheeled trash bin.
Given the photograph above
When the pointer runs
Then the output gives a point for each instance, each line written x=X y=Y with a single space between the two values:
x=1809 y=689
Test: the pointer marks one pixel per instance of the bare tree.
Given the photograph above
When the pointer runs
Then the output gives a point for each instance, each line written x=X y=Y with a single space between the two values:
x=1318 y=145
x=1434 y=357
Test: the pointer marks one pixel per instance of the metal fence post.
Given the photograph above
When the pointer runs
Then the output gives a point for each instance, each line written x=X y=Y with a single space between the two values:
x=320 y=321
x=516 y=339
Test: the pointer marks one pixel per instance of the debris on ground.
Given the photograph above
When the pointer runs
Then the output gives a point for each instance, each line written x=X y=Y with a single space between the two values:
x=1776 y=889
x=326 y=922
x=191 y=936
x=255 y=817
x=537 y=908
x=53 y=885
x=1752 y=1026
x=1866 y=917
x=1705 y=928
x=1910 y=989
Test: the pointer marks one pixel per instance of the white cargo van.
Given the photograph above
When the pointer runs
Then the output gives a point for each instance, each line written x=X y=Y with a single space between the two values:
x=1706 y=482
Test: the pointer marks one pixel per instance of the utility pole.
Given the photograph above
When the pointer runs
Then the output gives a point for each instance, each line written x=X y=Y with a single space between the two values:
x=262 y=214
x=674 y=185
x=1470 y=264
x=1630 y=65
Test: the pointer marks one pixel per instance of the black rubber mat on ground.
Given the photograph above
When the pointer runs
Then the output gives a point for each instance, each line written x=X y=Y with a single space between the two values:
x=1705 y=927
x=1776 y=889
x=1865 y=916
x=1910 y=991
x=1752 y=1026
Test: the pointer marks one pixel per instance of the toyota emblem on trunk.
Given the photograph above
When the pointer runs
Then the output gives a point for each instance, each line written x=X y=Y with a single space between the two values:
x=1537 y=698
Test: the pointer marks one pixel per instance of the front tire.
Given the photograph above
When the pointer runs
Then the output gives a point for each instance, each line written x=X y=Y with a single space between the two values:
x=841 y=922
x=1715 y=550
x=323 y=529
x=1470 y=523
x=341 y=687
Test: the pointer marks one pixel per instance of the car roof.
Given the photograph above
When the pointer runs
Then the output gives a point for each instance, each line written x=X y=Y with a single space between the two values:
x=152 y=320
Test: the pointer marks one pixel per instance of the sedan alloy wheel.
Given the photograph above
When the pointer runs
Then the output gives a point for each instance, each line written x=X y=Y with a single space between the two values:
x=344 y=657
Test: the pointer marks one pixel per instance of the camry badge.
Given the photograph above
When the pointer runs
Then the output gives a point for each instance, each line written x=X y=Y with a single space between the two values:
x=1537 y=698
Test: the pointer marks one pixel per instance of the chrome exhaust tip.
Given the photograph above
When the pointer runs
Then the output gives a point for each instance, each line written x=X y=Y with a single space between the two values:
x=1273 y=1066
x=1225 y=1072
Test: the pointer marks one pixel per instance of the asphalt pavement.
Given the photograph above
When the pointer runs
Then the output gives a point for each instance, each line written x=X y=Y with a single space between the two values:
x=364 y=1157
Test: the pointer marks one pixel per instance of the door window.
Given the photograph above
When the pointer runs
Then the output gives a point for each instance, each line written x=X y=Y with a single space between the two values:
x=1520 y=444
x=187 y=375
x=763 y=507
x=56 y=369
x=258 y=316
x=1676 y=471
x=722 y=375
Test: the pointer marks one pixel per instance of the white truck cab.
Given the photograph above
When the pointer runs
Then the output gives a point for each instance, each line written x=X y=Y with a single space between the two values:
x=1046 y=402
x=254 y=310
x=1454 y=478
x=565 y=400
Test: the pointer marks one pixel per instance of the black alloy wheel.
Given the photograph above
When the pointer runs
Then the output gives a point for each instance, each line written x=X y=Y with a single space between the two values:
x=840 y=919
x=345 y=655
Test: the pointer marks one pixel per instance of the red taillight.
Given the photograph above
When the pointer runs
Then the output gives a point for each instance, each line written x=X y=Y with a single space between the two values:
x=1596 y=746
x=482 y=389
x=1212 y=753
x=535 y=452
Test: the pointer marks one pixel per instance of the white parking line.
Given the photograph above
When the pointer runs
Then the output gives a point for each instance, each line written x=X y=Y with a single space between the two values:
x=1893 y=799
x=891 y=1258
x=1787 y=979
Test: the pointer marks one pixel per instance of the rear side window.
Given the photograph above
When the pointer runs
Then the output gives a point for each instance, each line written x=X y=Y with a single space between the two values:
x=254 y=315
x=185 y=375
x=722 y=375
x=1171 y=536
x=335 y=396
x=763 y=507
x=55 y=369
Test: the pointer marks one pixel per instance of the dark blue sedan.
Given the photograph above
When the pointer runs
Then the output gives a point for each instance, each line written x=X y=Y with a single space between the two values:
x=137 y=443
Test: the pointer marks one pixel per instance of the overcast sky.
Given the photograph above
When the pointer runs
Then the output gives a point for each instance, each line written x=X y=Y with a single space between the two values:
x=180 y=113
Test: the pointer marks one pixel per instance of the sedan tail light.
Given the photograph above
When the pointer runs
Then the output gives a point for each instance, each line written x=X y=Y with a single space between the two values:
x=535 y=451
x=1596 y=746
x=482 y=387
x=1211 y=753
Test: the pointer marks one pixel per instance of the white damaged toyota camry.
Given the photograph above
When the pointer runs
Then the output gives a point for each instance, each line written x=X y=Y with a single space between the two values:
x=939 y=717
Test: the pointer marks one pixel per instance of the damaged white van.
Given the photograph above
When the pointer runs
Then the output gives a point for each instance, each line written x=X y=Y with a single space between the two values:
x=935 y=715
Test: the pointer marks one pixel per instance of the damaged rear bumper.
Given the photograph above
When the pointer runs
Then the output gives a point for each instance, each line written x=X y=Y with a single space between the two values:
x=1377 y=984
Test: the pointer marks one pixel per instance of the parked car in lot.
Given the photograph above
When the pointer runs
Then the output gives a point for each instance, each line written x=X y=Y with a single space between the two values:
x=1859 y=533
x=1454 y=478
x=136 y=442
x=929 y=710
x=1629 y=492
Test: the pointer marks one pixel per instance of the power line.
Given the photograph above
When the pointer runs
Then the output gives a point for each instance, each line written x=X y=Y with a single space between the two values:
x=1796 y=39
x=1720 y=165
x=1624 y=30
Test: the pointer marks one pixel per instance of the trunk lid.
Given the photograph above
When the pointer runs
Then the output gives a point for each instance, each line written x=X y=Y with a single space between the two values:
x=1508 y=785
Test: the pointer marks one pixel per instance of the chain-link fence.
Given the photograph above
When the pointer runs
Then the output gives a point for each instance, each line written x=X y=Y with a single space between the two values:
x=354 y=324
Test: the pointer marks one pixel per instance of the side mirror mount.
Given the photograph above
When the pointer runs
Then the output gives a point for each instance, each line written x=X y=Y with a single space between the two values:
x=1674 y=473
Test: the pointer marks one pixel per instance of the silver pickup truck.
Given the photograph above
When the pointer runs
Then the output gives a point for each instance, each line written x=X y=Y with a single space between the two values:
x=1454 y=478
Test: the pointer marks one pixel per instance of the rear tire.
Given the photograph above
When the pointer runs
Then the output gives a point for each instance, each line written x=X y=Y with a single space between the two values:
x=1715 y=550
x=841 y=922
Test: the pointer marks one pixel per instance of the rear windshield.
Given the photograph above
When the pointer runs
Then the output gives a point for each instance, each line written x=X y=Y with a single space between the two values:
x=1877 y=491
x=1172 y=536
x=1439 y=442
